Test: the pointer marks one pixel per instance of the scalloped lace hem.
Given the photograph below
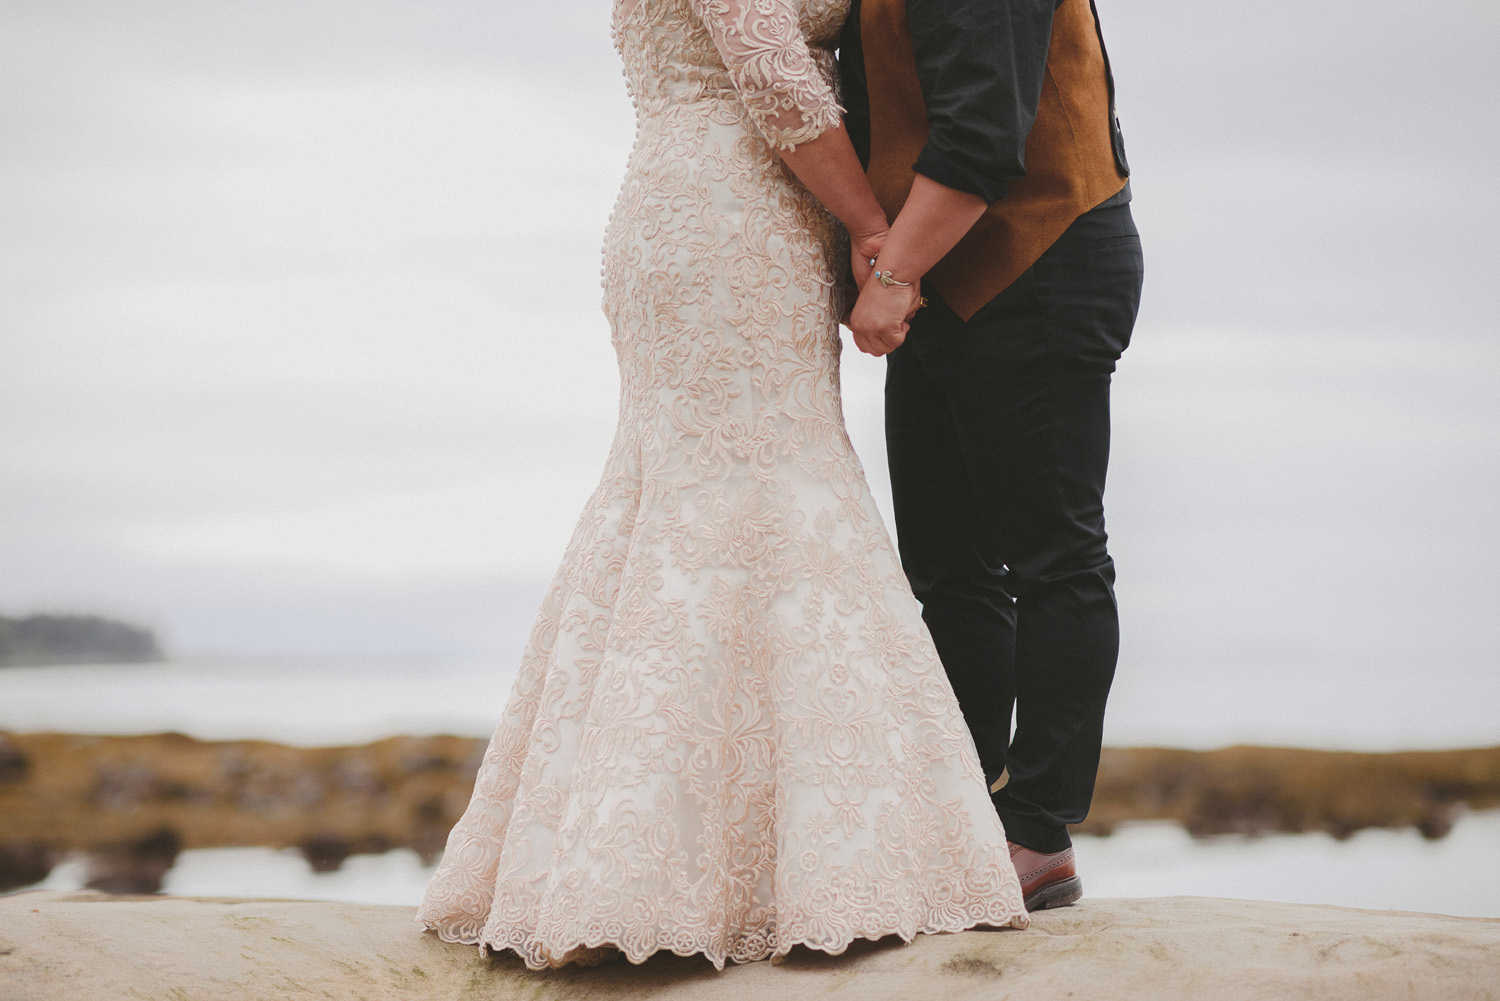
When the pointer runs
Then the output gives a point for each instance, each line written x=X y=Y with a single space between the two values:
x=753 y=947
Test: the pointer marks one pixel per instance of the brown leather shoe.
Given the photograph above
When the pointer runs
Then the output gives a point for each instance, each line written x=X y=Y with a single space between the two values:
x=1049 y=880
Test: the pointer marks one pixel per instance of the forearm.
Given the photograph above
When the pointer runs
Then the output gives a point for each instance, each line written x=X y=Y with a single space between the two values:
x=934 y=218
x=829 y=168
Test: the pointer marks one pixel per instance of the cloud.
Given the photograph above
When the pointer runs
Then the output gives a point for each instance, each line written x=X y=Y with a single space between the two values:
x=300 y=341
x=1326 y=162
x=313 y=288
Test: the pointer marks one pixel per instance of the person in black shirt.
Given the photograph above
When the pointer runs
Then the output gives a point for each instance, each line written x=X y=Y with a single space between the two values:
x=989 y=133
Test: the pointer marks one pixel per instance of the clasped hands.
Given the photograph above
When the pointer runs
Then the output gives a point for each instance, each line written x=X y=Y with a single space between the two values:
x=881 y=315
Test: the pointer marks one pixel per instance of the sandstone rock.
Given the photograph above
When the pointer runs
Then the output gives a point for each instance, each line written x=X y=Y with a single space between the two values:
x=62 y=947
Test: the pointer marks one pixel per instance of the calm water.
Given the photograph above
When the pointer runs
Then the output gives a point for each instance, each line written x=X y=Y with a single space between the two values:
x=1386 y=870
x=313 y=701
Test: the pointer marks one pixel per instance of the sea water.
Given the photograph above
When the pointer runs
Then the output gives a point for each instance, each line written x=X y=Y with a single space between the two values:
x=1385 y=870
x=316 y=701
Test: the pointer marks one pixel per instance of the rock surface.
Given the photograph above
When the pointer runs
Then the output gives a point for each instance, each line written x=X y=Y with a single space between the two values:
x=75 y=946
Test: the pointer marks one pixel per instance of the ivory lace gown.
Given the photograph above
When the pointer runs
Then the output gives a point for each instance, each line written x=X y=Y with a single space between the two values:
x=730 y=732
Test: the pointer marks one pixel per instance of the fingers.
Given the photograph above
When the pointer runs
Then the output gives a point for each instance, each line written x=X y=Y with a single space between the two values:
x=883 y=343
x=870 y=347
x=868 y=342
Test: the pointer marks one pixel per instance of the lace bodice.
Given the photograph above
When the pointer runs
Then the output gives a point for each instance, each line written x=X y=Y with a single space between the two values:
x=772 y=57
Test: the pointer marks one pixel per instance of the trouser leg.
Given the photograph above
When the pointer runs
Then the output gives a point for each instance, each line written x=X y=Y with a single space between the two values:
x=964 y=602
x=1067 y=626
x=1023 y=390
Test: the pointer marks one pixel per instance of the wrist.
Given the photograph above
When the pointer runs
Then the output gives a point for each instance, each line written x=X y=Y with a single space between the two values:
x=892 y=273
x=871 y=229
x=894 y=259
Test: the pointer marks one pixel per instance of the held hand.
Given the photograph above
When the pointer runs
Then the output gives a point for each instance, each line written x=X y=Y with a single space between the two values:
x=864 y=248
x=879 y=320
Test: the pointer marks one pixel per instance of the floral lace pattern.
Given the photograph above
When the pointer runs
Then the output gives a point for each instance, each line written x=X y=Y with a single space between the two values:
x=730 y=733
x=771 y=66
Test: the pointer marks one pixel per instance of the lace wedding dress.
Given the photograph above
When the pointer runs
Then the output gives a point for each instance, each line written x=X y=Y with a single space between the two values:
x=730 y=733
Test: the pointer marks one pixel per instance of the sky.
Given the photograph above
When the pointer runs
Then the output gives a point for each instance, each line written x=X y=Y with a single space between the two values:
x=301 y=350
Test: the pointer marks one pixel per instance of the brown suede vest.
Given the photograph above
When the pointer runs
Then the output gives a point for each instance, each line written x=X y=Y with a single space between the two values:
x=1070 y=162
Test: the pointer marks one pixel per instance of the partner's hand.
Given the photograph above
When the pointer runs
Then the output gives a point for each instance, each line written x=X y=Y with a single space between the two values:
x=879 y=320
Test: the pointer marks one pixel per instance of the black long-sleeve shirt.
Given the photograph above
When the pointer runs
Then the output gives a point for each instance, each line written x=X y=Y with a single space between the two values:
x=980 y=64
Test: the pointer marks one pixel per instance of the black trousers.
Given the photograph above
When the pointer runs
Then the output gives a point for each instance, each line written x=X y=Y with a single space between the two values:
x=997 y=431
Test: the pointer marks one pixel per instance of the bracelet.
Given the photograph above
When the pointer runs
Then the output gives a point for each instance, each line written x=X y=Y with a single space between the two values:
x=888 y=281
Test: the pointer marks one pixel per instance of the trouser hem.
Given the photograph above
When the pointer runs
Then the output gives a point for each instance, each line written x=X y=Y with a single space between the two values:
x=1037 y=837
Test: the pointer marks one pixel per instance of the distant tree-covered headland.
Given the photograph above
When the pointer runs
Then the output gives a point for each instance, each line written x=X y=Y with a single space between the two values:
x=74 y=639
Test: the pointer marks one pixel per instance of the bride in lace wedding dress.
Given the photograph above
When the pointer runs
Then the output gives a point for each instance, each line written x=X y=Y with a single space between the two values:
x=730 y=733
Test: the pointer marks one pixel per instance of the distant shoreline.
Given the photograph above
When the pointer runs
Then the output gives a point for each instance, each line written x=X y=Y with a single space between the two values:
x=55 y=640
x=134 y=802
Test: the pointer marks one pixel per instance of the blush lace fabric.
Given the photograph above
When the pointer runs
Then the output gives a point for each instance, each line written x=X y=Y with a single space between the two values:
x=730 y=733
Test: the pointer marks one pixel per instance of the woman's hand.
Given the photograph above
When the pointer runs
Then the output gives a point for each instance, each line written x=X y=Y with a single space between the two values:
x=863 y=249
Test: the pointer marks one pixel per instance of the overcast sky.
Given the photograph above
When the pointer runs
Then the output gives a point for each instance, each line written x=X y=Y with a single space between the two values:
x=300 y=347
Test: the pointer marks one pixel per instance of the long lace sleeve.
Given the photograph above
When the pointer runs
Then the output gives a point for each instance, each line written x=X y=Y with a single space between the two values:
x=779 y=81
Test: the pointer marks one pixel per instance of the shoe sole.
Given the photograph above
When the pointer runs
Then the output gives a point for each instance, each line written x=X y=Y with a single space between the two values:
x=1058 y=894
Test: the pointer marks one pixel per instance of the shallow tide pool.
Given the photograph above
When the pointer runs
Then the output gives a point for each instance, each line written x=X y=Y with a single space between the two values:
x=1386 y=870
